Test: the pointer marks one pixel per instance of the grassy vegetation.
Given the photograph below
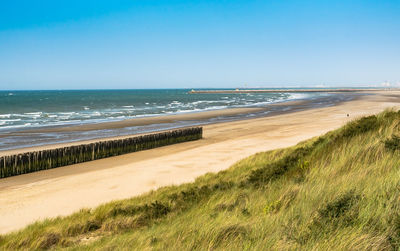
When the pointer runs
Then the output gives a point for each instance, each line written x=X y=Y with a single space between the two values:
x=340 y=191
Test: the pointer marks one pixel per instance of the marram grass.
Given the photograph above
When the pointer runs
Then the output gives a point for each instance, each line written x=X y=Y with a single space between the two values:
x=340 y=191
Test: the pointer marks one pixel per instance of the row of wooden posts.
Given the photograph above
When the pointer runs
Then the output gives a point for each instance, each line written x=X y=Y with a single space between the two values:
x=52 y=158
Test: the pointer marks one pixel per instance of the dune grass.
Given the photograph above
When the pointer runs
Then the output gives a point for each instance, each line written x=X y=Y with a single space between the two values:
x=340 y=191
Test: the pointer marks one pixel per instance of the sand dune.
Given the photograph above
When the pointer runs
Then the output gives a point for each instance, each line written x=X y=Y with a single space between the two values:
x=27 y=198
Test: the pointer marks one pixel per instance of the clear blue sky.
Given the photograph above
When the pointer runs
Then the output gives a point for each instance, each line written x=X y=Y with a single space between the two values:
x=71 y=44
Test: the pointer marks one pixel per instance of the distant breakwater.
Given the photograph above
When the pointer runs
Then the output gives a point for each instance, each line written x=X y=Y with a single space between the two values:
x=243 y=91
x=47 y=159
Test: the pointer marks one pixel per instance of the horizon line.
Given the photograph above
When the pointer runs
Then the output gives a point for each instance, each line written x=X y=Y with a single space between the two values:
x=216 y=88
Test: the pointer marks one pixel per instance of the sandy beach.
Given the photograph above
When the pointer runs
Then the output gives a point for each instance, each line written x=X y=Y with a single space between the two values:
x=61 y=191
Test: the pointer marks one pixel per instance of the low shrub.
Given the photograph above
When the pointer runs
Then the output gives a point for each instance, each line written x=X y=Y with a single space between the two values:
x=49 y=240
x=360 y=126
x=275 y=170
x=340 y=212
x=337 y=207
x=229 y=233
x=393 y=144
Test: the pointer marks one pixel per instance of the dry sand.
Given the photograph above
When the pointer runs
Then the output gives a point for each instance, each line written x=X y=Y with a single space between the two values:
x=61 y=191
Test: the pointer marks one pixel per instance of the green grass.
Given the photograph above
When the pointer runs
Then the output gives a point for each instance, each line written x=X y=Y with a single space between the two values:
x=340 y=191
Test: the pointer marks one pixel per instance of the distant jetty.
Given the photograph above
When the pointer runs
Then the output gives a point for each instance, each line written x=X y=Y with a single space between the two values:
x=279 y=90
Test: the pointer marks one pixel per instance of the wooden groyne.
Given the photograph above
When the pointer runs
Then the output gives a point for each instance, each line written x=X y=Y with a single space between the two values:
x=41 y=160
x=238 y=91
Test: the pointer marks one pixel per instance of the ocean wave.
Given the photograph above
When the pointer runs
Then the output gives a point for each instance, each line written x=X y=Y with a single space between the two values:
x=15 y=126
x=298 y=95
x=63 y=117
x=207 y=102
x=24 y=115
x=10 y=120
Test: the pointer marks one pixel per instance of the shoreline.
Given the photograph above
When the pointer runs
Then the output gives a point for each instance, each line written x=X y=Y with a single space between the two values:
x=64 y=190
x=77 y=134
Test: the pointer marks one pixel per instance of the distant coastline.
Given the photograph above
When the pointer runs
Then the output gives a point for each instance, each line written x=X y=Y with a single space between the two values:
x=287 y=90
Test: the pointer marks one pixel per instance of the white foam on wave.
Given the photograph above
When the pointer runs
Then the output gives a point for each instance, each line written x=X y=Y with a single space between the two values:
x=15 y=126
x=158 y=107
x=207 y=102
x=64 y=117
x=113 y=113
x=24 y=115
x=298 y=96
x=10 y=120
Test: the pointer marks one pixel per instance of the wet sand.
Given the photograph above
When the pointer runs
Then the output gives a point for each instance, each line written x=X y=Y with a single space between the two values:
x=61 y=191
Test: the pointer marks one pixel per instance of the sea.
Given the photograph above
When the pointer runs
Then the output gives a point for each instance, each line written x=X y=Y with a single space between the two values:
x=26 y=110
